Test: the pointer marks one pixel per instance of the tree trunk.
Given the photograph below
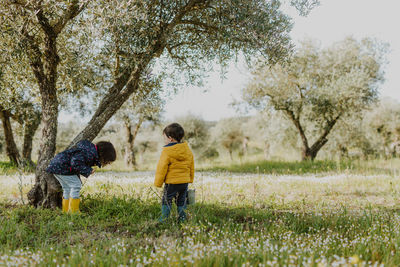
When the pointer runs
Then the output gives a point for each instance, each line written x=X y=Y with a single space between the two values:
x=30 y=129
x=306 y=153
x=11 y=147
x=266 y=150
x=310 y=153
x=47 y=190
x=130 y=157
x=129 y=153
x=245 y=143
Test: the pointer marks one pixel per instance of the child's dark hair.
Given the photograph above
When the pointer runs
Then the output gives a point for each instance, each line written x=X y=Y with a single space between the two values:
x=106 y=152
x=174 y=130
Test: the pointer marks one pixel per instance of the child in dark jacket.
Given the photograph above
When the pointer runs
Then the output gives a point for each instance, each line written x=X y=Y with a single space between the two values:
x=69 y=164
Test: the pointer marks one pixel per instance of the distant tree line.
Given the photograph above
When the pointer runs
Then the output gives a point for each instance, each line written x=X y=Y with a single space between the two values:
x=374 y=133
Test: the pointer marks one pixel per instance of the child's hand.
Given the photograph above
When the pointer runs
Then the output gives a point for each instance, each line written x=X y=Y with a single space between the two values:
x=92 y=171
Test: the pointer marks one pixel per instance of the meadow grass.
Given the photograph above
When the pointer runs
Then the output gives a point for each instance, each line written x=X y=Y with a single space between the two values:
x=284 y=167
x=381 y=166
x=334 y=218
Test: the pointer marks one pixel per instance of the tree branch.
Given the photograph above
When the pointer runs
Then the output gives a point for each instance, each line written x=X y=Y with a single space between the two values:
x=174 y=56
x=322 y=139
x=199 y=23
x=178 y=17
x=34 y=55
x=73 y=10
x=44 y=23
x=296 y=122
x=300 y=108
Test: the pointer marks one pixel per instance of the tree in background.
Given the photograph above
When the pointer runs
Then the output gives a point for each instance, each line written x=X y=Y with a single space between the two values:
x=228 y=133
x=11 y=147
x=381 y=126
x=28 y=116
x=130 y=36
x=18 y=103
x=373 y=133
x=196 y=131
x=319 y=87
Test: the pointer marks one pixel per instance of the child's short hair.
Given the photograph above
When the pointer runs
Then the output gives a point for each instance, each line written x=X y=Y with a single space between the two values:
x=106 y=152
x=174 y=130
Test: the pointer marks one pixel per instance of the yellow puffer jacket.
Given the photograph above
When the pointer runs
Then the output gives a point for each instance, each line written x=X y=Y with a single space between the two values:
x=176 y=165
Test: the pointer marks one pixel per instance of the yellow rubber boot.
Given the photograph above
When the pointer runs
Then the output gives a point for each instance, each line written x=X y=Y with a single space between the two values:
x=65 y=205
x=74 y=205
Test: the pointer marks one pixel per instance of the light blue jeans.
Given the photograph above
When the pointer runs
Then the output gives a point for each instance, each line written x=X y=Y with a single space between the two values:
x=71 y=185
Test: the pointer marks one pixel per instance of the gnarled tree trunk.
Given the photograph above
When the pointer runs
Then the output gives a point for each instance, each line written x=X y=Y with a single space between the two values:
x=310 y=153
x=47 y=190
x=11 y=147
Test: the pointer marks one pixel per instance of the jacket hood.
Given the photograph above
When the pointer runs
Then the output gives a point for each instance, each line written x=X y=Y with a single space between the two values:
x=91 y=150
x=179 y=151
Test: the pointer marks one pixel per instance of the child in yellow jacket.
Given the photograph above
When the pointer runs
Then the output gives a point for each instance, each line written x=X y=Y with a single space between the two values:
x=176 y=169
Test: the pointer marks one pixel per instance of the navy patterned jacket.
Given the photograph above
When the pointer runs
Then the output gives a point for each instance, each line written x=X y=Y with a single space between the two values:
x=75 y=161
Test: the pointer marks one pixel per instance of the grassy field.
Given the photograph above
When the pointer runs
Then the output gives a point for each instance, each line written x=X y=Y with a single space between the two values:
x=327 y=214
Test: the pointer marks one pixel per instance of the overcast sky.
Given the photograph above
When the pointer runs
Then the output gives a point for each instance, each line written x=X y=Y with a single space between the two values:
x=332 y=21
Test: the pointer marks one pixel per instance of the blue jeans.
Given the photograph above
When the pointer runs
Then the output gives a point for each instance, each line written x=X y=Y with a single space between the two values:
x=177 y=191
x=71 y=185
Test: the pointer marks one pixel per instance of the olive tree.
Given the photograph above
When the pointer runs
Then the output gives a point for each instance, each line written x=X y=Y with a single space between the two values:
x=229 y=134
x=121 y=40
x=319 y=87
